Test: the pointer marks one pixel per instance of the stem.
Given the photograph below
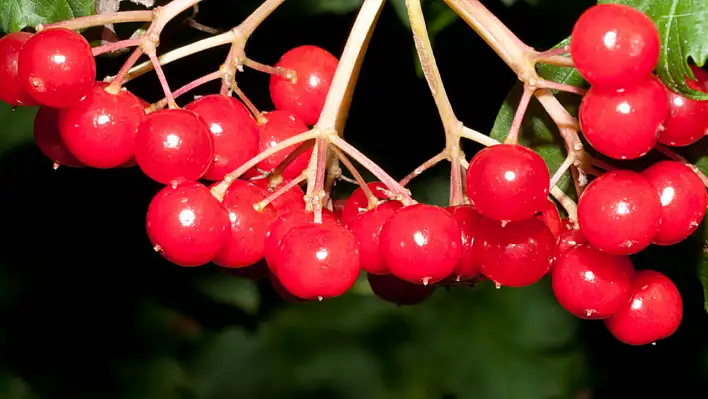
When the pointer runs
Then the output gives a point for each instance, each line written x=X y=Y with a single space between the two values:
x=100 y=20
x=318 y=193
x=249 y=25
x=166 y=13
x=119 y=79
x=423 y=167
x=567 y=124
x=284 y=73
x=600 y=163
x=188 y=87
x=547 y=84
x=567 y=163
x=110 y=47
x=280 y=191
x=477 y=137
x=291 y=157
x=163 y=79
x=370 y=197
x=260 y=119
x=568 y=204
x=513 y=136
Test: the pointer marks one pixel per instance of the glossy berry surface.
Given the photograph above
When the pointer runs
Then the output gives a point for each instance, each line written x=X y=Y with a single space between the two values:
x=570 y=236
x=592 y=284
x=402 y=293
x=293 y=199
x=514 y=254
x=624 y=124
x=174 y=145
x=100 y=130
x=687 y=121
x=56 y=67
x=318 y=261
x=281 y=290
x=469 y=220
x=357 y=202
x=614 y=45
x=282 y=125
x=620 y=212
x=186 y=224
x=653 y=312
x=233 y=130
x=683 y=200
x=12 y=91
x=508 y=182
x=421 y=244
x=49 y=141
x=367 y=230
x=305 y=94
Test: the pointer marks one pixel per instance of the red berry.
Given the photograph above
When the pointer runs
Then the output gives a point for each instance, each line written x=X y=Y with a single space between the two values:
x=620 y=212
x=701 y=82
x=624 y=124
x=687 y=121
x=392 y=289
x=338 y=207
x=49 y=142
x=282 y=291
x=551 y=217
x=653 y=312
x=614 y=45
x=187 y=224
x=305 y=94
x=289 y=200
x=514 y=254
x=318 y=261
x=100 y=130
x=421 y=244
x=358 y=203
x=248 y=225
x=592 y=284
x=683 y=200
x=508 y=182
x=174 y=145
x=367 y=229
x=56 y=67
x=468 y=219
x=282 y=125
x=12 y=91
x=570 y=236
x=233 y=130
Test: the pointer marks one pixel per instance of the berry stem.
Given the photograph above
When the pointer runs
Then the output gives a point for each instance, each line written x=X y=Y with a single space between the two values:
x=291 y=157
x=677 y=157
x=568 y=204
x=288 y=74
x=423 y=167
x=547 y=84
x=280 y=191
x=555 y=56
x=370 y=197
x=580 y=179
x=119 y=79
x=260 y=119
x=100 y=20
x=186 y=88
x=567 y=163
x=316 y=194
x=110 y=47
x=162 y=78
x=513 y=136
x=477 y=137
x=249 y=25
x=166 y=13
x=600 y=163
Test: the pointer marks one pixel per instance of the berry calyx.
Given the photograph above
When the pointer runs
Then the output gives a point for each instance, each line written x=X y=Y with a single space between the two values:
x=174 y=145
x=187 y=224
x=686 y=123
x=653 y=312
x=306 y=92
x=421 y=244
x=13 y=92
x=281 y=125
x=468 y=219
x=402 y=293
x=286 y=202
x=592 y=284
x=367 y=230
x=357 y=202
x=508 y=182
x=49 y=141
x=56 y=67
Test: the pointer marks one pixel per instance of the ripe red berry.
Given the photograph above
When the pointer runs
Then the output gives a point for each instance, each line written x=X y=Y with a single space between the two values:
x=392 y=289
x=100 y=130
x=620 y=212
x=318 y=261
x=56 y=67
x=421 y=244
x=592 y=284
x=306 y=92
x=514 y=254
x=624 y=124
x=683 y=200
x=468 y=219
x=293 y=199
x=282 y=291
x=701 y=81
x=233 y=130
x=653 y=312
x=551 y=217
x=248 y=225
x=508 y=182
x=367 y=230
x=187 y=224
x=49 y=142
x=570 y=236
x=687 y=121
x=282 y=125
x=174 y=145
x=357 y=202
x=12 y=91
x=614 y=45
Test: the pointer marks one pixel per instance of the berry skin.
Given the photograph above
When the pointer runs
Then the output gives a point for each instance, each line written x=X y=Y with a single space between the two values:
x=421 y=244
x=614 y=45
x=357 y=202
x=468 y=219
x=367 y=230
x=12 y=91
x=402 y=293
x=304 y=95
x=624 y=124
x=514 y=254
x=683 y=200
x=508 y=182
x=174 y=145
x=318 y=261
x=282 y=291
x=187 y=224
x=653 y=312
x=248 y=225
x=233 y=130
x=282 y=125
x=100 y=130
x=48 y=139
x=292 y=199
x=56 y=67
x=687 y=121
x=592 y=284
x=570 y=236
x=620 y=212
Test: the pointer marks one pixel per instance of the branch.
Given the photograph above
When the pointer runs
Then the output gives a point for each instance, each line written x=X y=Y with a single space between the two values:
x=100 y=20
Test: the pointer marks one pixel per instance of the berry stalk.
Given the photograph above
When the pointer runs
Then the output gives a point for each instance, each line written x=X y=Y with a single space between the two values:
x=187 y=88
x=110 y=47
x=370 y=197
x=423 y=167
x=100 y=20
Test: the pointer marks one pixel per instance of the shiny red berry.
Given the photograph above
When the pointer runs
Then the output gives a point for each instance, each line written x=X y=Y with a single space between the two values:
x=508 y=182
x=570 y=236
x=293 y=199
x=620 y=212
x=49 y=141
x=687 y=121
x=653 y=312
x=56 y=67
x=12 y=91
x=392 y=289
x=367 y=229
x=282 y=125
x=187 y=224
x=357 y=202
x=469 y=220
x=306 y=92
x=174 y=145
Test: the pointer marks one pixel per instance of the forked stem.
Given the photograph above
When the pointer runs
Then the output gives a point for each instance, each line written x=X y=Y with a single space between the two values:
x=370 y=197
x=423 y=167
x=280 y=191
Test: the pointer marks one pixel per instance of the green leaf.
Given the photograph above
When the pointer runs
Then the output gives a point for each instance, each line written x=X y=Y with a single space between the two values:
x=683 y=29
x=17 y=126
x=230 y=290
x=15 y=15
